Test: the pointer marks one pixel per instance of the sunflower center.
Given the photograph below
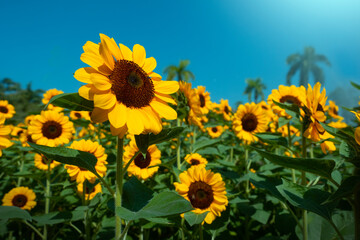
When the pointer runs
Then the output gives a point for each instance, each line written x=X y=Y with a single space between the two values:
x=4 y=109
x=290 y=99
x=194 y=162
x=77 y=115
x=131 y=85
x=200 y=194
x=202 y=100
x=142 y=162
x=335 y=111
x=20 y=132
x=249 y=122
x=319 y=108
x=88 y=191
x=226 y=110
x=45 y=161
x=51 y=129
x=214 y=129
x=19 y=200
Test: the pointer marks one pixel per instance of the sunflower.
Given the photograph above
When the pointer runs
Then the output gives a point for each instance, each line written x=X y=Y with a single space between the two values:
x=89 y=193
x=42 y=162
x=48 y=95
x=204 y=99
x=327 y=146
x=75 y=115
x=286 y=94
x=215 y=132
x=193 y=100
x=16 y=131
x=315 y=104
x=6 y=109
x=338 y=124
x=4 y=135
x=21 y=197
x=357 y=130
x=28 y=119
x=205 y=190
x=196 y=120
x=80 y=174
x=142 y=168
x=223 y=108
x=195 y=159
x=124 y=88
x=333 y=110
x=25 y=137
x=285 y=131
x=51 y=128
x=248 y=120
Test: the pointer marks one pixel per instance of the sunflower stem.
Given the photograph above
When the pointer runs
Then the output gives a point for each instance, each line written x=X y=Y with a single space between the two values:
x=123 y=234
x=201 y=232
x=119 y=185
x=293 y=173
x=34 y=229
x=178 y=160
x=47 y=195
x=86 y=216
x=247 y=189
x=303 y=182
x=128 y=164
x=231 y=154
x=21 y=168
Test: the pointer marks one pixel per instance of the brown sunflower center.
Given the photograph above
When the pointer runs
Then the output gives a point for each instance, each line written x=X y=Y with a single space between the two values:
x=77 y=115
x=131 y=85
x=19 y=200
x=29 y=138
x=45 y=160
x=200 y=194
x=290 y=99
x=202 y=100
x=319 y=108
x=20 y=132
x=335 y=111
x=142 y=162
x=51 y=129
x=194 y=162
x=226 y=110
x=249 y=122
x=214 y=129
x=4 y=109
x=88 y=191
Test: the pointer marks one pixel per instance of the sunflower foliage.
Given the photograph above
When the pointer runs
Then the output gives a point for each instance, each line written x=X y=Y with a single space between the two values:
x=287 y=168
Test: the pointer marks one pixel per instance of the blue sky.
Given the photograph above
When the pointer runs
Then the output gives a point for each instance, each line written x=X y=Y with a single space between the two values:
x=226 y=41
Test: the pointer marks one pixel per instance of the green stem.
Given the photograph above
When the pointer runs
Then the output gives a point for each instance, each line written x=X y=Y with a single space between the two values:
x=119 y=185
x=126 y=229
x=178 y=160
x=128 y=164
x=21 y=168
x=247 y=189
x=356 y=207
x=47 y=195
x=86 y=216
x=231 y=154
x=336 y=229
x=34 y=229
x=293 y=214
x=201 y=232
x=303 y=182
x=293 y=173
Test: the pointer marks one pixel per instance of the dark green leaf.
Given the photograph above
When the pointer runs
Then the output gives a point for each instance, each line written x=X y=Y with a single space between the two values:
x=161 y=205
x=142 y=142
x=268 y=183
x=165 y=135
x=310 y=199
x=273 y=139
x=283 y=121
x=355 y=85
x=260 y=215
x=292 y=109
x=321 y=167
x=11 y=212
x=204 y=142
x=68 y=156
x=346 y=188
x=193 y=218
x=209 y=151
x=135 y=195
x=72 y=101
x=53 y=218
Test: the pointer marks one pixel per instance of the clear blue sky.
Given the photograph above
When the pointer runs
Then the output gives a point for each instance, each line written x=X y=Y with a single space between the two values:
x=226 y=41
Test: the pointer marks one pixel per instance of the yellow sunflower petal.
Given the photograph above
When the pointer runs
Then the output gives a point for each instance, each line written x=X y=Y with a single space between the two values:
x=135 y=123
x=104 y=101
x=83 y=74
x=113 y=47
x=139 y=54
x=105 y=53
x=163 y=109
x=98 y=115
x=166 y=87
x=149 y=65
x=126 y=52
x=100 y=81
x=118 y=115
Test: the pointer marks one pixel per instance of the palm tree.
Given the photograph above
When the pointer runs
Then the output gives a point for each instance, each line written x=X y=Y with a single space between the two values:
x=180 y=72
x=256 y=86
x=306 y=64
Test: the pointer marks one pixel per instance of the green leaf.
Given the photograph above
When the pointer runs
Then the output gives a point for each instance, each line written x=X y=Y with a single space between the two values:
x=72 y=101
x=355 y=85
x=209 y=151
x=53 y=218
x=135 y=195
x=291 y=109
x=346 y=188
x=310 y=199
x=193 y=218
x=274 y=139
x=68 y=156
x=142 y=142
x=161 y=205
x=321 y=167
x=165 y=135
x=11 y=212
x=268 y=183
x=204 y=142
x=260 y=215
x=283 y=121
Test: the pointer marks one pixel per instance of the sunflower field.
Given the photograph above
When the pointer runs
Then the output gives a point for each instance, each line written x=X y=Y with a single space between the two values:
x=132 y=156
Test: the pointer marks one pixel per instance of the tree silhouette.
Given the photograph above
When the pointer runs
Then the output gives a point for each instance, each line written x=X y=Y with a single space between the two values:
x=180 y=72
x=254 y=86
x=306 y=63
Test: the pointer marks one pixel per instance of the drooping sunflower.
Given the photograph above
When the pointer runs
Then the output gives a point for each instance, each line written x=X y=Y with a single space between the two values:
x=6 y=109
x=327 y=146
x=286 y=94
x=248 y=120
x=223 y=108
x=4 y=135
x=193 y=100
x=204 y=98
x=315 y=104
x=89 y=193
x=51 y=128
x=75 y=115
x=28 y=119
x=215 y=132
x=16 y=131
x=205 y=190
x=195 y=159
x=333 y=110
x=124 y=88
x=142 y=168
x=21 y=197
x=42 y=162
x=80 y=174
x=47 y=97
